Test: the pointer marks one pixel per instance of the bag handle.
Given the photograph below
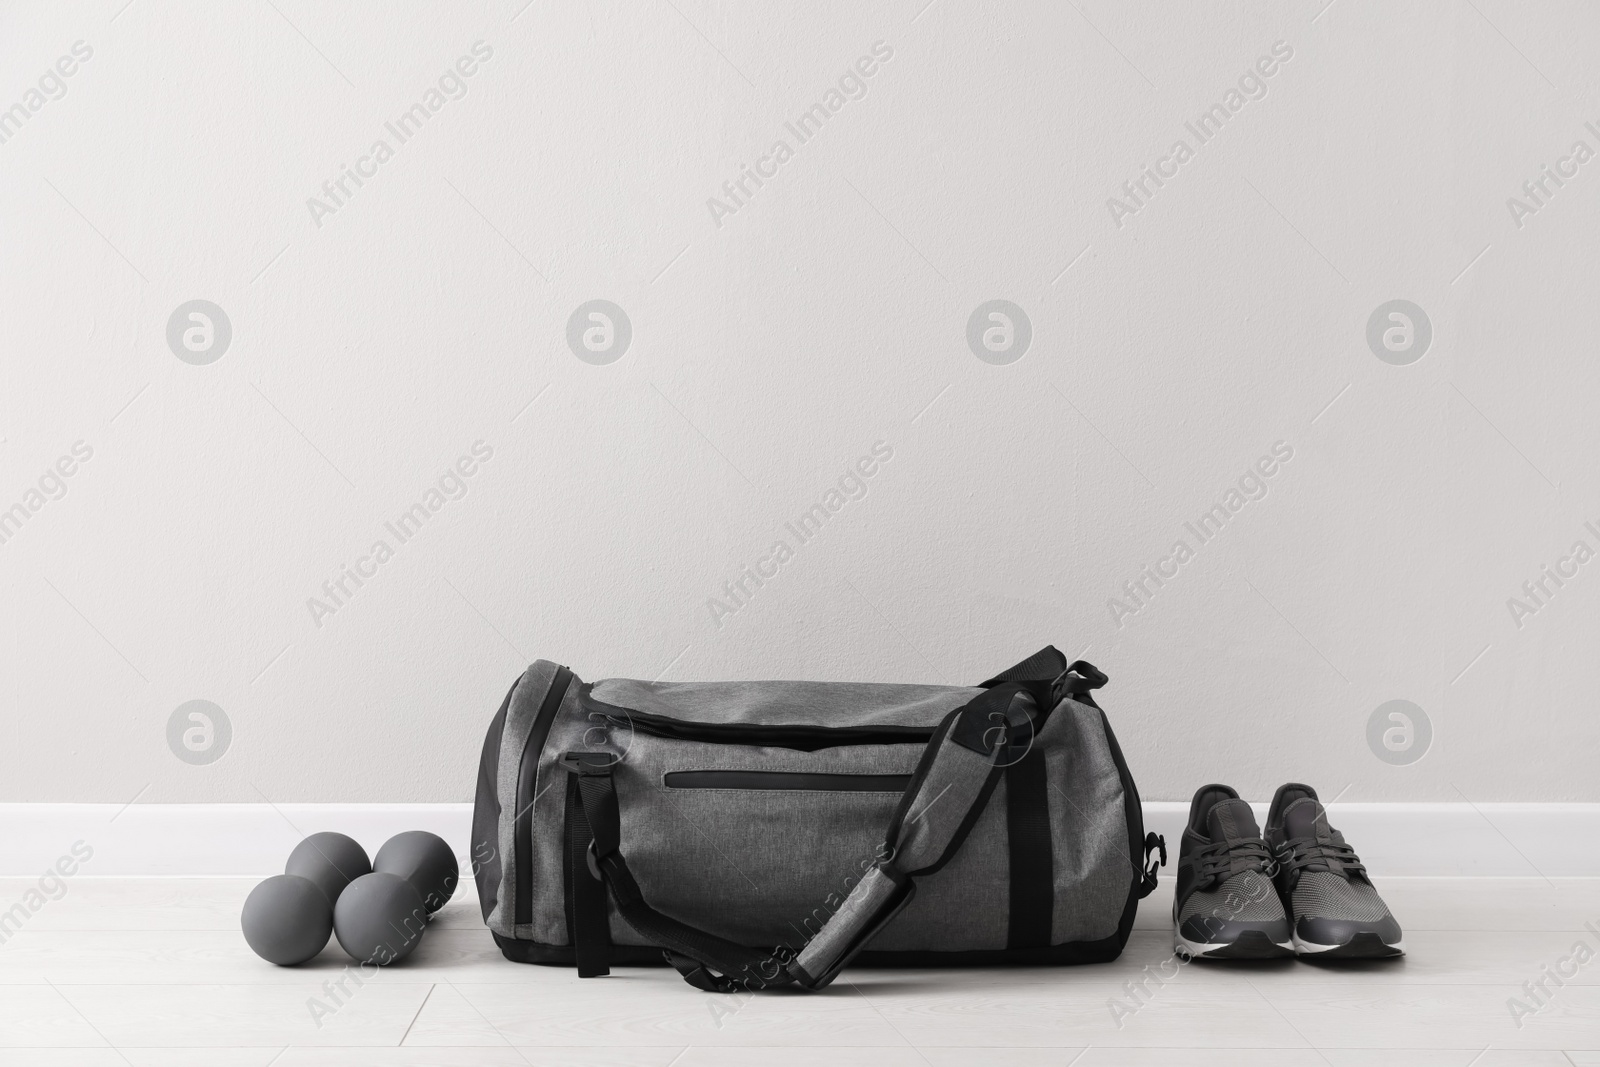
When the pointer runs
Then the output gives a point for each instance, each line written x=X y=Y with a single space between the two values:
x=955 y=777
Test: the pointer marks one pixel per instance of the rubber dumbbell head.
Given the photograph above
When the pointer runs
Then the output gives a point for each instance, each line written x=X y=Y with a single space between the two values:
x=286 y=919
x=379 y=919
x=424 y=860
x=330 y=860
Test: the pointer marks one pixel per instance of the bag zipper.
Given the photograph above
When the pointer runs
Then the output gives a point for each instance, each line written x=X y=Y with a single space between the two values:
x=527 y=774
x=816 y=782
x=803 y=737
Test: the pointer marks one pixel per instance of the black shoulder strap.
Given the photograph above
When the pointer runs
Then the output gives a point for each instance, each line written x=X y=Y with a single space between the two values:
x=696 y=953
x=1064 y=679
x=1044 y=665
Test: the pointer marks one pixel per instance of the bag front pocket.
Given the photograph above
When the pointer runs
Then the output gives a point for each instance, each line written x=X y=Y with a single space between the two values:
x=754 y=844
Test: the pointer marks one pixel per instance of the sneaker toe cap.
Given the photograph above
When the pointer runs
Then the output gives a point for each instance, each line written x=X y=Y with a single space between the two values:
x=1323 y=930
x=1209 y=930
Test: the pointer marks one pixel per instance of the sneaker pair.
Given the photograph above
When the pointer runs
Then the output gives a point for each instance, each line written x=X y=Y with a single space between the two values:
x=1297 y=890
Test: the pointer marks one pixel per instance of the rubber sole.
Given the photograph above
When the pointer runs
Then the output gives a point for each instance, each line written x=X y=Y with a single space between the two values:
x=1359 y=947
x=1250 y=945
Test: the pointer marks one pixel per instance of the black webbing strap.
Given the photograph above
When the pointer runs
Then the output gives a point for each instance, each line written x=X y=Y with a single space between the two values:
x=1064 y=679
x=1031 y=850
x=588 y=923
x=706 y=961
x=1043 y=666
x=1032 y=853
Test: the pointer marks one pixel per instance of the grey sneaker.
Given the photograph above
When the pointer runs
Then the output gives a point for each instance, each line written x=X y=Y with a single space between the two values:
x=1337 y=913
x=1225 y=906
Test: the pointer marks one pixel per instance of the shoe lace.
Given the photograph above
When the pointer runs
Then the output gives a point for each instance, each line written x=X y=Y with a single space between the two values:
x=1300 y=852
x=1216 y=860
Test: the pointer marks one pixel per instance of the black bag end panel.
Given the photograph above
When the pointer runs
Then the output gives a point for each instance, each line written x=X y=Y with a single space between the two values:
x=485 y=845
x=1133 y=809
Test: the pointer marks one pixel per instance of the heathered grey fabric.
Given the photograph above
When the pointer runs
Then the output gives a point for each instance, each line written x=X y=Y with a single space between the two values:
x=1088 y=823
x=788 y=703
x=947 y=794
x=966 y=904
x=948 y=791
x=525 y=700
x=761 y=867
x=859 y=910
x=769 y=867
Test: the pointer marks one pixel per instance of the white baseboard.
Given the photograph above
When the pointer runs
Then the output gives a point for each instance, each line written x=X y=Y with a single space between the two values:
x=1486 y=840
x=204 y=839
x=1481 y=840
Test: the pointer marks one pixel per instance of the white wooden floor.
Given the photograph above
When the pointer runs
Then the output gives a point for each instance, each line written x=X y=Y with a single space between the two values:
x=155 y=972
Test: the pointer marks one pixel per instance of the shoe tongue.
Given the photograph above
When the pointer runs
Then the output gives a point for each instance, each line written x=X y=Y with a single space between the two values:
x=1231 y=820
x=1305 y=818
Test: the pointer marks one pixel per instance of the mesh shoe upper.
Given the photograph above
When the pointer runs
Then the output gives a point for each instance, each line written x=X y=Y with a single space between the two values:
x=1319 y=874
x=1246 y=897
x=1326 y=894
x=1225 y=888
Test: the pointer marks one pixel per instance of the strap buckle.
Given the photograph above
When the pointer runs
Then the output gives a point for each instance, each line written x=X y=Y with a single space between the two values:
x=589 y=764
x=1152 y=842
x=1079 y=678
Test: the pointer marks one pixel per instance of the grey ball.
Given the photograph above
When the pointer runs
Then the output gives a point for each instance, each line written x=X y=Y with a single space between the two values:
x=330 y=860
x=379 y=919
x=286 y=919
x=424 y=860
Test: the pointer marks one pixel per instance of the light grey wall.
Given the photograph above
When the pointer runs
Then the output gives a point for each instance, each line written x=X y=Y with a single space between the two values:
x=380 y=336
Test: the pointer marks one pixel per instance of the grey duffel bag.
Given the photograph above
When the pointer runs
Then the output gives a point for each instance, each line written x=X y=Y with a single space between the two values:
x=760 y=834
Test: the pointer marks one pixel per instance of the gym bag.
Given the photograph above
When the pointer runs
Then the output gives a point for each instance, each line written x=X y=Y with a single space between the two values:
x=761 y=834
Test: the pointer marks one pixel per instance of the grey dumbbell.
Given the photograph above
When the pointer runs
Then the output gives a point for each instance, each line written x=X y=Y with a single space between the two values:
x=379 y=919
x=286 y=919
x=330 y=860
x=424 y=860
